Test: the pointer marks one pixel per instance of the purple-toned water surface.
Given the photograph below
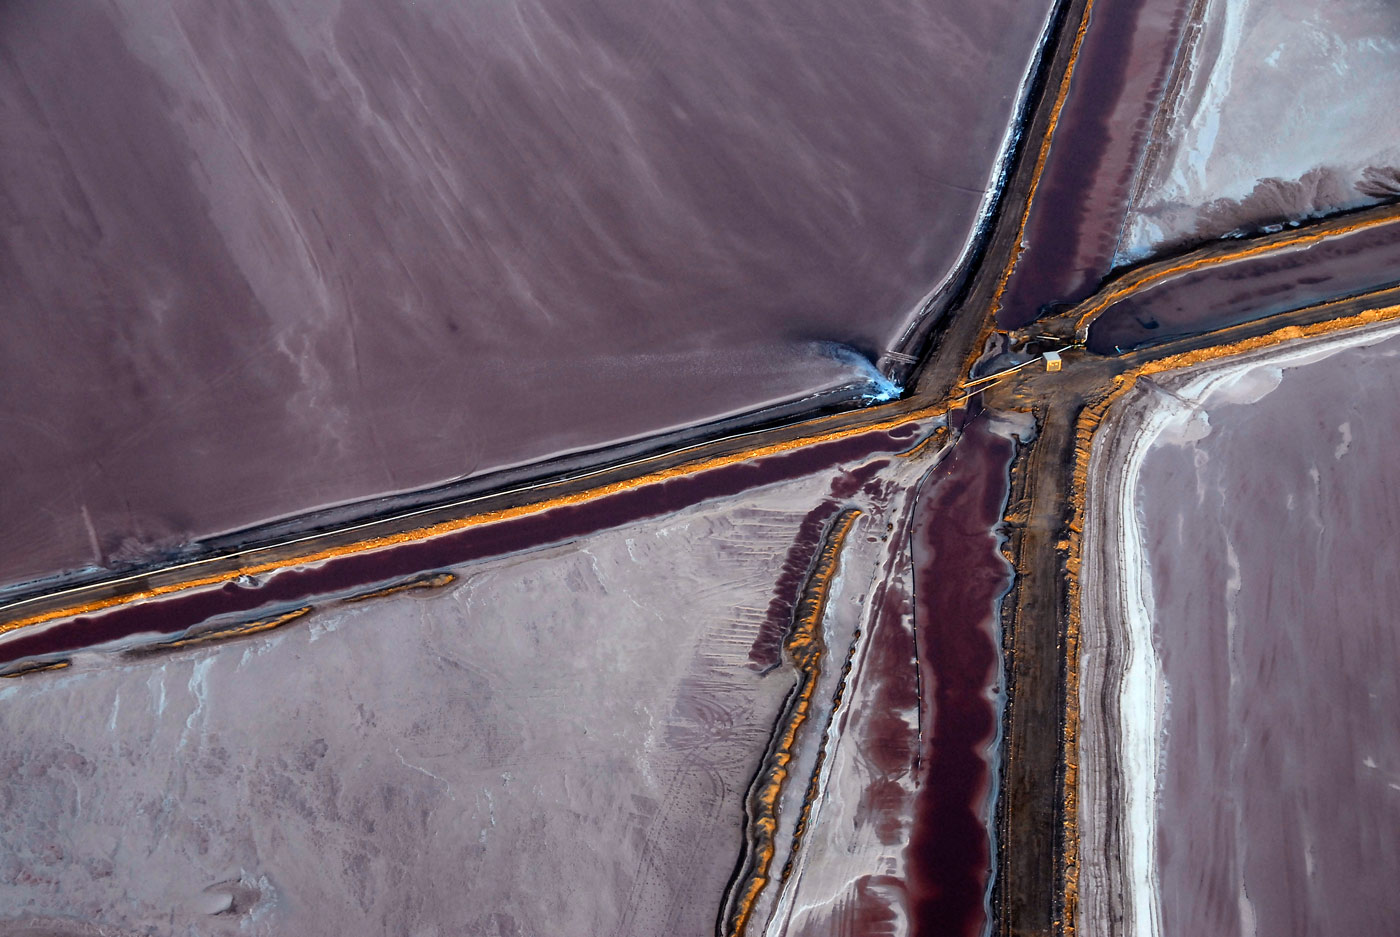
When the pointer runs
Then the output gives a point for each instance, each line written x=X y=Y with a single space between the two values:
x=767 y=650
x=297 y=584
x=264 y=257
x=557 y=742
x=1272 y=548
x=1214 y=297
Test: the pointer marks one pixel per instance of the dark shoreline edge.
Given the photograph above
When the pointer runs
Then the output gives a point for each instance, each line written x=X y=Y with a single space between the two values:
x=921 y=339
x=942 y=343
x=1066 y=254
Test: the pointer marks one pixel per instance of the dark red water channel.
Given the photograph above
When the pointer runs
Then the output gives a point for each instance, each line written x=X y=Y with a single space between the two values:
x=1216 y=297
x=960 y=579
x=298 y=585
x=1120 y=76
x=890 y=746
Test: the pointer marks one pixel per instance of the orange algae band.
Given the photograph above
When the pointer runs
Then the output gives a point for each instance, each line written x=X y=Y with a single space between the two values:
x=804 y=646
x=1042 y=157
x=234 y=631
x=372 y=543
x=35 y=667
x=433 y=581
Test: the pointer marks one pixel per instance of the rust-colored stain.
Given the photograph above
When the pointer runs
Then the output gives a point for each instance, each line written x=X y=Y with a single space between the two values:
x=1087 y=424
x=1041 y=158
x=240 y=630
x=804 y=644
x=1267 y=340
x=25 y=669
x=433 y=581
x=814 y=783
x=932 y=441
x=805 y=648
x=989 y=327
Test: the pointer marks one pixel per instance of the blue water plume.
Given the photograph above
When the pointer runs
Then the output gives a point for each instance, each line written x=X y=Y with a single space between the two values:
x=879 y=387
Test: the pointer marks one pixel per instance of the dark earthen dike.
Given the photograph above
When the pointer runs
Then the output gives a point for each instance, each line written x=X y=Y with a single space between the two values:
x=295 y=586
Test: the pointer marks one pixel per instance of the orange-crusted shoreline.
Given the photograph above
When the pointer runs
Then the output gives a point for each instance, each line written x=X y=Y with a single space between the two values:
x=804 y=647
